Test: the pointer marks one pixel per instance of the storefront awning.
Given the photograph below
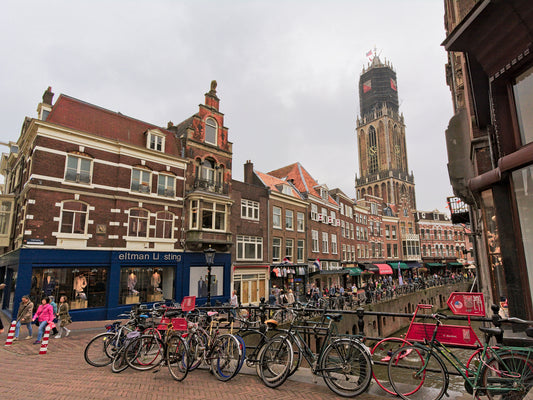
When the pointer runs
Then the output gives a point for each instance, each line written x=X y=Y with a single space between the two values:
x=413 y=264
x=371 y=268
x=434 y=265
x=401 y=264
x=384 y=269
x=354 y=271
x=455 y=264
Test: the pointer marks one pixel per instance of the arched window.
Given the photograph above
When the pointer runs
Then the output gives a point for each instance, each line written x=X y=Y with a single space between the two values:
x=372 y=151
x=164 y=225
x=211 y=131
x=207 y=171
x=74 y=217
x=138 y=222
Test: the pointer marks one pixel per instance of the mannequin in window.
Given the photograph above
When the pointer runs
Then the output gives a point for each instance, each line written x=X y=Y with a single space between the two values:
x=202 y=288
x=49 y=285
x=132 y=281
x=156 y=281
x=80 y=283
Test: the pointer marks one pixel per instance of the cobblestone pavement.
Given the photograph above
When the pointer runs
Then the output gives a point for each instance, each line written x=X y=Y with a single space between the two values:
x=62 y=373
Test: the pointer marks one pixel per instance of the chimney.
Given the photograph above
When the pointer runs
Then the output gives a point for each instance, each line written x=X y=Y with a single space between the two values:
x=48 y=96
x=248 y=172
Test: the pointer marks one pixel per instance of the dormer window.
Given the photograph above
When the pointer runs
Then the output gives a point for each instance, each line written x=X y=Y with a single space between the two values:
x=155 y=140
x=211 y=131
x=324 y=194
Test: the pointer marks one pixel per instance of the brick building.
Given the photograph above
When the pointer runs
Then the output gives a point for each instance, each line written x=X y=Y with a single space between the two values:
x=97 y=207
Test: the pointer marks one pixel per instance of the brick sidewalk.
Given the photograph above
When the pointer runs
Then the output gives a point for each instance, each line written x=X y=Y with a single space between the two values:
x=63 y=374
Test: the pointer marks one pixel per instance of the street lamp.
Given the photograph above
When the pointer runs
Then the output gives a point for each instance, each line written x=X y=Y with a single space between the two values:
x=209 y=260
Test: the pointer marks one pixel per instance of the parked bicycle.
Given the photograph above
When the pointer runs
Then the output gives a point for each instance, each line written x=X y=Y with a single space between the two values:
x=418 y=371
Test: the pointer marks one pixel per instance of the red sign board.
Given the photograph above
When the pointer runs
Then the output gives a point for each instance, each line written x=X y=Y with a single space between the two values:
x=447 y=334
x=188 y=303
x=466 y=303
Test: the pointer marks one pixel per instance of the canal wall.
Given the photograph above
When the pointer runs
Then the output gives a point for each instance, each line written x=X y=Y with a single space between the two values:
x=385 y=326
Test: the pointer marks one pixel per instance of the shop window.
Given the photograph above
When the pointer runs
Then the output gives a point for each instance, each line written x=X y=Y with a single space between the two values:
x=199 y=278
x=523 y=95
x=138 y=223
x=146 y=284
x=523 y=189
x=74 y=217
x=83 y=287
x=164 y=225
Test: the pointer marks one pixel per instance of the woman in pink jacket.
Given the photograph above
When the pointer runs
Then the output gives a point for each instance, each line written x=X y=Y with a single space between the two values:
x=45 y=315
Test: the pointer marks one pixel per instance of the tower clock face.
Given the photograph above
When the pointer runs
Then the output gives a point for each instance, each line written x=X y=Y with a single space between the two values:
x=373 y=150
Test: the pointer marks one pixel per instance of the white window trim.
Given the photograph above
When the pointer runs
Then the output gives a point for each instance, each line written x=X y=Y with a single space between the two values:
x=158 y=134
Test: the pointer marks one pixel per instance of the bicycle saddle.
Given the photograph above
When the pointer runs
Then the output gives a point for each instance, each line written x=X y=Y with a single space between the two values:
x=529 y=331
x=491 y=331
x=334 y=317
x=271 y=323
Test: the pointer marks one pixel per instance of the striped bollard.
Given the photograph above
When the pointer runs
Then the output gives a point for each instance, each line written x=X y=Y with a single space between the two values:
x=44 y=341
x=11 y=334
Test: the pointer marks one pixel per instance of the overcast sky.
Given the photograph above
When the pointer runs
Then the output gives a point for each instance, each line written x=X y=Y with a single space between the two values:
x=287 y=73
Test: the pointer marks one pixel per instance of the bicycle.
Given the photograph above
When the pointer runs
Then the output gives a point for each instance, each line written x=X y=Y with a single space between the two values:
x=149 y=351
x=343 y=361
x=418 y=371
x=222 y=353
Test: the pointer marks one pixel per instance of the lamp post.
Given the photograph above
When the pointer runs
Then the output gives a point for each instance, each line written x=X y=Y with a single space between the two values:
x=209 y=260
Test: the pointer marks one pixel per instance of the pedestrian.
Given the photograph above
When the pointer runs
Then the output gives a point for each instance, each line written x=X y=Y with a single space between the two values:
x=24 y=317
x=44 y=316
x=63 y=316
x=272 y=298
x=283 y=298
x=54 y=307
x=234 y=303
x=290 y=297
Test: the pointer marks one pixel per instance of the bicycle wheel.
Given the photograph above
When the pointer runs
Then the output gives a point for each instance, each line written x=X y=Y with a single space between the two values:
x=177 y=357
x=380 y=354
x=197 y=342
x=275 y=361
x=144 y=353
x=100 y=350
x=346 y=367
x=253 y=341
x=509 y=376
x=415 y=373
x=226 y=357
x=296 y=346
x=119 y=363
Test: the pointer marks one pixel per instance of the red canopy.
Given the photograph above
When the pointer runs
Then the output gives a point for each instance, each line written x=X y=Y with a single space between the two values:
x=384 y=269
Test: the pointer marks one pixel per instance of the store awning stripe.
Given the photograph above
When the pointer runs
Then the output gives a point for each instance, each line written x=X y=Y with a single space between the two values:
x=384 y=269
x=372 y=268
x=402 y=265
x=455 y=264
x=434 y=265
x=354 y=271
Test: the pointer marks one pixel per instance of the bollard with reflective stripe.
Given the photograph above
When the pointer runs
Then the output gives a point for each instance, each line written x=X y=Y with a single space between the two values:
x=11 y=334
x=44 y=341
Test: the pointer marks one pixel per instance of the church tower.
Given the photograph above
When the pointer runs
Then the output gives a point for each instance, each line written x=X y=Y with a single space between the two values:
x=383 y=170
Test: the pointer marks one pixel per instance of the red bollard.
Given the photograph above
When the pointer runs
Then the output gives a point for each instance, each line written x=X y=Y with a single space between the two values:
x=44 y=341
x=11 y=334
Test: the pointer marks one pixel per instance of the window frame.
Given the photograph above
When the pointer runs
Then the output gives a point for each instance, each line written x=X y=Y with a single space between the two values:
x=74 y=218
x=164 y=222
x=138 y=219
x=276 y=217
x=247 y=244
x=250 y=207
x=166 y=190
x=141 y=181
x=211 y=130
x=289 y=220
x=154 y=140
x=78 y=171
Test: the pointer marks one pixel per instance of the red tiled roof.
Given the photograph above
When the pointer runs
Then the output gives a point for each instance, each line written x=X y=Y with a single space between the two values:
x=302 y=180
x=272 y=182
x=85 y=117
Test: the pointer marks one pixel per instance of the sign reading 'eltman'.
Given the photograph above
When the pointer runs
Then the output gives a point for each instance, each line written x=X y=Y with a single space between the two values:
x=148 y=257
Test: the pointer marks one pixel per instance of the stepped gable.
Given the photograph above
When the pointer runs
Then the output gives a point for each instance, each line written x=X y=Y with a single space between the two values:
x=301 y=179
x=79 y=115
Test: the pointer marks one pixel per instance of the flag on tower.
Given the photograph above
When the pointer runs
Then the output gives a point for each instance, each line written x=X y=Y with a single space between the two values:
x=369 y=53
x=317 y=264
